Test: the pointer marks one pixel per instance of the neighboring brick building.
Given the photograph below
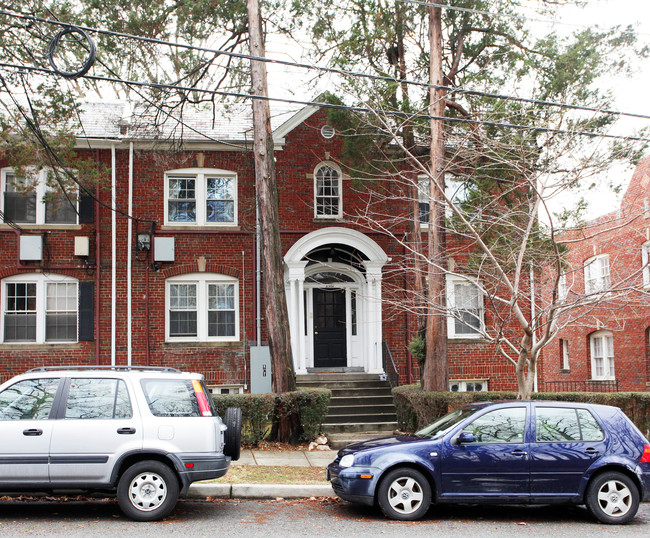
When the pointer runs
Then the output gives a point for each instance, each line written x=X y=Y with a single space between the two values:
x=177 y=284
x=607 y=345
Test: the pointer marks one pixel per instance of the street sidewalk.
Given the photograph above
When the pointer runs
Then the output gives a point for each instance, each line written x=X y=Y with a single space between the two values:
x=278 y=458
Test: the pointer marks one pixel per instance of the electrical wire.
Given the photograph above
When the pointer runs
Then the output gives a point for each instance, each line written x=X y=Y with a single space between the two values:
x=337 y=71
x=359 y=109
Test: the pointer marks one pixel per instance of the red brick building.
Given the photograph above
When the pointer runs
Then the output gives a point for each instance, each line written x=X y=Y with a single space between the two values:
x=607 y=344
x=157 y=265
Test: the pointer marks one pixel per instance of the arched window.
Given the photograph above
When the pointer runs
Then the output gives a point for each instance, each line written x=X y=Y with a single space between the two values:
x=327 y=191
x=39 y=308
x=601 y=344
x=202 y=307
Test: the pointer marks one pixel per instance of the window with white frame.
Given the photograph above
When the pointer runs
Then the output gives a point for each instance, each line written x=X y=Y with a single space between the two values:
x=198 y=196
x=27 y=199
x=465 y=308
x=564 y=352
x=39 y=309
x=327 y=191
x=602 y=355
x=645 y=260
x=597 y=274
x=454 y=190
x=475 y=385
x=202 y=307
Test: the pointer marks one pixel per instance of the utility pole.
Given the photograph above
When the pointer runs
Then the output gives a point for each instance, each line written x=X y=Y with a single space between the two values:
x=275 y=303
x=436 y=369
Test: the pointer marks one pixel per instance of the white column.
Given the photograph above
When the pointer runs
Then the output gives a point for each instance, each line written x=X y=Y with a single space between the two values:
x=374 y=319
x=296 y=310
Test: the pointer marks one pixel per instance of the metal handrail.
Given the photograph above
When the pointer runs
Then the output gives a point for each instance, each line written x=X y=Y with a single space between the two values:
x=389 y=365
x=589 y=385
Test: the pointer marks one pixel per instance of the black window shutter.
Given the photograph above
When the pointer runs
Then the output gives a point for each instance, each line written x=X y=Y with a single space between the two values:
x=86 y=209
x=86 y=311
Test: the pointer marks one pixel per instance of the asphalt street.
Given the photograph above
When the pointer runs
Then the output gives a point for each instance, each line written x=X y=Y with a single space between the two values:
x=306 y=517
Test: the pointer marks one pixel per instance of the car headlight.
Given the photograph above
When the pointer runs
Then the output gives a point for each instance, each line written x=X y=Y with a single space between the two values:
x=347 y=460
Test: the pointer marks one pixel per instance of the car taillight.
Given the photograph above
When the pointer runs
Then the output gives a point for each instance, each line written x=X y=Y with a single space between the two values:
x=645 y=457
x=201 y=397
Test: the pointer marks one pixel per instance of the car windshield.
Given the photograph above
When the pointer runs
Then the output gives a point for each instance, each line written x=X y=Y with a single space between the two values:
x=442 y=425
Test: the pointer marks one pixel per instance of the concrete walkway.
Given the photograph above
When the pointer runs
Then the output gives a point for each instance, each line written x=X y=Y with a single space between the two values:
x=277 y=458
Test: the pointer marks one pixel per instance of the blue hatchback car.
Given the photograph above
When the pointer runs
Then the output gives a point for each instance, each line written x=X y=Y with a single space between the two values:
x=507 y=452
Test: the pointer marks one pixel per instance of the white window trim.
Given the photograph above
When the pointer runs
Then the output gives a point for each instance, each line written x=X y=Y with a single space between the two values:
x=340 y=189
x=201 y=280
x=607 y=374
x=564 y=349
x=645 y=261
x=451 y=303
x=41 y=190
x=602 y=282
x=41 y=281
x=463 y=384
x=200 y=176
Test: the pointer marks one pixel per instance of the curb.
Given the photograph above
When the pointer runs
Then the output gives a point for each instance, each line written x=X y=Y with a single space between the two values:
x=260 y=491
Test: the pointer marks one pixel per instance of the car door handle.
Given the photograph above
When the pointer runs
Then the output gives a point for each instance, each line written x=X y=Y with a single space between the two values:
x=519 y=452
x=592 y=451
x=126 y=431
x=32 y=432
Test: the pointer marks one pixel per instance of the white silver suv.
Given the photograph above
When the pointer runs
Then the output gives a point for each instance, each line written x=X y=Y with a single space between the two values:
x=144 y=433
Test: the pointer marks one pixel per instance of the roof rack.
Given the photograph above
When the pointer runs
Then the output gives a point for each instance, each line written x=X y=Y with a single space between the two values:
x=114 y=367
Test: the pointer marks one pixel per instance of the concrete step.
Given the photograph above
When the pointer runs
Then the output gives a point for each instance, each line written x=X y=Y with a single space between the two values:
x=338 y=410
x=360 y=391
x=341 y=440
x=353 y=401
x=343 y=427
x=335 y=378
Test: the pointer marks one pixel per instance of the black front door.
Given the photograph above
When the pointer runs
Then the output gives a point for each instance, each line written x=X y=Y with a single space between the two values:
x=330 y=347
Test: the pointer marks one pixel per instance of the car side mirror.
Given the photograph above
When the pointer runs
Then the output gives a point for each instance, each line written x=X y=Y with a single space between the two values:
x=464 y=437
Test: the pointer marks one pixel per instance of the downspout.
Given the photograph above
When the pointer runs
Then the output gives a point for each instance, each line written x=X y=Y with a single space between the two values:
x=97 y=274
x=113 y=254
x=532 y=317
x=258 y=275
x=129 y=269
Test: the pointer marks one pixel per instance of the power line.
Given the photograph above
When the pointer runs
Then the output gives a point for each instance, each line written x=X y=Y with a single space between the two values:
x=491 y=14
x=344 y=72
x=360 y=109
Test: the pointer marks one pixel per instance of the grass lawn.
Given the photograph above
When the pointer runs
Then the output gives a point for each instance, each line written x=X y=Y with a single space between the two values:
x=265 y=474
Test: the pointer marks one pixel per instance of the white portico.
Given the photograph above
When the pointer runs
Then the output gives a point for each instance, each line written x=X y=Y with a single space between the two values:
x=333 y=282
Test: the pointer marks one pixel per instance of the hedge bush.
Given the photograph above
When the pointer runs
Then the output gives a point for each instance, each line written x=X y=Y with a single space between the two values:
x=416 y=408
x=261 y=413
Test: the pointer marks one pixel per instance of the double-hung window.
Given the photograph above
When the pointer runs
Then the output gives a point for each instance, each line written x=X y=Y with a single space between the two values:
x=204 y=197
x=327 y=191
x=597 y=274
x=39 y=309
x=602 y=355
x=202 y=307
x=27 y=199
x=645 y=260
x=465 y=308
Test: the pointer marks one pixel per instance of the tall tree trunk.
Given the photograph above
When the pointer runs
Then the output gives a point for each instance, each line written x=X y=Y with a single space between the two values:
x=412 y=191
x=275 y=303
x=436 y=370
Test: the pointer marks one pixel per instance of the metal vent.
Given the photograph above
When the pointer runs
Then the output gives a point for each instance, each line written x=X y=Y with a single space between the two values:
x=327 y=131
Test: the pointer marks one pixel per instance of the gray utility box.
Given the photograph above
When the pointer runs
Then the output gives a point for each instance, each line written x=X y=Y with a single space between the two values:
x=260 y=369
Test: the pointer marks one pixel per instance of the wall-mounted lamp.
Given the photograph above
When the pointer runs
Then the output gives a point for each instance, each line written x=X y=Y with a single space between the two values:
x=143 y=241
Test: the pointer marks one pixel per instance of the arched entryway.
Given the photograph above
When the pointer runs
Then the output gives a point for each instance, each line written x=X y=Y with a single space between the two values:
x=333 y=279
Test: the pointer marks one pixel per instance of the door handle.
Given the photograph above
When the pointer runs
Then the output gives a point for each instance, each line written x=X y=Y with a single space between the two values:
x=592 y=451
x=519 y=453
x=32 y=432
x=315 y=332
x=126 y=431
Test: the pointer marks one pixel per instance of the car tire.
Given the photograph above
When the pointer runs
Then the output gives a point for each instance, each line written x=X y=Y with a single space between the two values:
x=612 y=498
x=232 y=437
x=404 y=494
x=147 y=491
